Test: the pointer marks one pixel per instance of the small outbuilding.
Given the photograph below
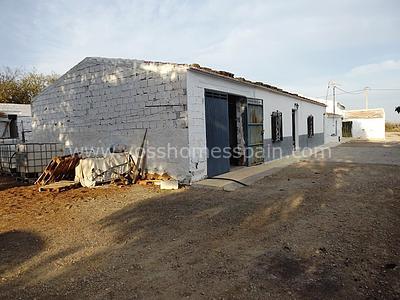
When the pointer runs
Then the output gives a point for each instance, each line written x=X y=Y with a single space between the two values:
x=199 y=122
x=15 y=121
x=364 y=123
x=333 y=121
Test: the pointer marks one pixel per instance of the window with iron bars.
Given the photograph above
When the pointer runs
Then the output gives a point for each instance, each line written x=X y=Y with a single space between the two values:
x=310 y=126
x=276 y=126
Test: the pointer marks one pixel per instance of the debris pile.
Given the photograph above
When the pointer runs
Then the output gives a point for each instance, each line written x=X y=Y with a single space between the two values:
x=59 y=168
x=75 y=170
x=92 y=171
x=165 y=181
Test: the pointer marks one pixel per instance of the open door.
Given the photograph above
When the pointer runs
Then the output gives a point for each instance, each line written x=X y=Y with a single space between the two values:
x=347 y=129
x=255 y=132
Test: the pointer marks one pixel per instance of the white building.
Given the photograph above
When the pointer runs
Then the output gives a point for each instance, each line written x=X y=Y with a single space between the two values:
x=102 y=102
x=366 y=123
x=333 y=121
x=15 y=121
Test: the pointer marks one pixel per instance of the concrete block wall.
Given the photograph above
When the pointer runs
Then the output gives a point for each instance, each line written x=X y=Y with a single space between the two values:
x=103 y=102
x=197 y=127
x=25 y=125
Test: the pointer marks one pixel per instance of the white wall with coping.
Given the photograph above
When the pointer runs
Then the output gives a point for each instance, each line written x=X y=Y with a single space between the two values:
x=21 y=110
x=339 y=110
x=102 y=102
x=368 y=128
x=333 y=128
x=197 y=82
x=333 y=121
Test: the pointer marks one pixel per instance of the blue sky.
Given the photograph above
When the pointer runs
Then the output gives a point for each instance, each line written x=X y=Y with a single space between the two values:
x=297 y=45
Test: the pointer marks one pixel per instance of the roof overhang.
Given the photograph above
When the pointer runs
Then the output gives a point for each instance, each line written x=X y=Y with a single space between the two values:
x=270 y=88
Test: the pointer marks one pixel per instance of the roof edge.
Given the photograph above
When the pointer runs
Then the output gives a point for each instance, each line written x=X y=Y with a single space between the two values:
x=255 y=84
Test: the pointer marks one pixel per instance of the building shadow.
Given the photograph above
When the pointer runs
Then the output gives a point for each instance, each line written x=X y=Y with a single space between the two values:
x=17 y=247
x=287 y=232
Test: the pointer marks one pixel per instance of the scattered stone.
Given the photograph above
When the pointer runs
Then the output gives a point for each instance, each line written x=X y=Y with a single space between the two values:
x=169 y=185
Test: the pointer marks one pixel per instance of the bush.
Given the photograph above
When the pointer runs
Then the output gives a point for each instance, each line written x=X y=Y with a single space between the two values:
x=18 y=86
x=392 y=127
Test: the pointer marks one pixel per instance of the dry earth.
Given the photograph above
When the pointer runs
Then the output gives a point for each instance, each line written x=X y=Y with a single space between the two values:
x=317 y=229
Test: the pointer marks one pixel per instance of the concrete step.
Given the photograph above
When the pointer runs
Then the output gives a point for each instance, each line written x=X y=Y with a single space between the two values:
x=245 y=176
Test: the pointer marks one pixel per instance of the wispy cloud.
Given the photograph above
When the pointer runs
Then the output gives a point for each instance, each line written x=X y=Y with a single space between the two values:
x=369 y=69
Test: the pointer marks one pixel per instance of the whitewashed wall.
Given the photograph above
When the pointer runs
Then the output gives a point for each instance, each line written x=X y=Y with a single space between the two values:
x=331 y=134
x=196 y=84
x=102 y=102
x=368 y=128
x=339 y=107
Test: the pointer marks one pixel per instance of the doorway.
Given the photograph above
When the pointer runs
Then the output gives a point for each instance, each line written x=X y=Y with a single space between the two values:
x=347 y=129
x=234 y=128
x=13 y=126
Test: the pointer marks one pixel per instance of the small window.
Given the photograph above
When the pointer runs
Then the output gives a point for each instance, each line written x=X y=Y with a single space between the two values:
x=276 y=126
x=310 y=126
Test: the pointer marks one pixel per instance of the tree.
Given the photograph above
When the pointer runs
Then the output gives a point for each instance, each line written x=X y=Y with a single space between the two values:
x=18 y=86
x=397 y=109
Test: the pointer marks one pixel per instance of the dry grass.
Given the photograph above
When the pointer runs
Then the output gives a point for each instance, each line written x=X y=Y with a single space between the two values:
x=392 y=127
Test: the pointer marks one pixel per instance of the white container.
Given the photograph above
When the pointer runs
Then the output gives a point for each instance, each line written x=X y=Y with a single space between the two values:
x=7 y=158
x=32 y=158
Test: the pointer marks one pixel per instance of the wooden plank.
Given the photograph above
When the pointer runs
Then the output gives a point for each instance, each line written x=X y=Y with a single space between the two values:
x=149 y=182
x=137 y=169
x=59 y=186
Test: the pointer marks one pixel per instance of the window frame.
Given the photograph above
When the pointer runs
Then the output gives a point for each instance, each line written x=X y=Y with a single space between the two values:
x=310 y=126
x=276 y=126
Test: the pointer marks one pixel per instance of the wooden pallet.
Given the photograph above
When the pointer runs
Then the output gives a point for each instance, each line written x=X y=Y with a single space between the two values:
x=59 y=186
x=59 y=168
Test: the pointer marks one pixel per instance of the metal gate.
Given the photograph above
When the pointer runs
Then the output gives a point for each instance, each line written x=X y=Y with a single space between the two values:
x=346 y=129
x=217 y=132
x=255 y=132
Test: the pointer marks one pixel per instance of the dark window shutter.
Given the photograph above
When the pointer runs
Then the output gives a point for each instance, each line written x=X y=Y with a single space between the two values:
x=276 y=126
x=310 y=126
x=273 y=126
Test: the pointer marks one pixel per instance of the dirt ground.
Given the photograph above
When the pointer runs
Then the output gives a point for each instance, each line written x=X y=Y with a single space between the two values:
x=322 y=228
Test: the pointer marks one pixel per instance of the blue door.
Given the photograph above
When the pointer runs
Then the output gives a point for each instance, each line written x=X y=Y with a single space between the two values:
x=217 y=133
